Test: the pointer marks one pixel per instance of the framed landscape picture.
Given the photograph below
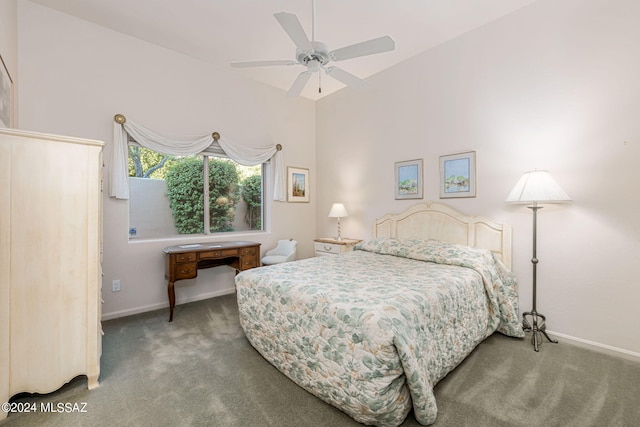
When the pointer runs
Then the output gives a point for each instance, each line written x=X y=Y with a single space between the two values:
x=458 y=175
x=409 y=179
x=297 y=184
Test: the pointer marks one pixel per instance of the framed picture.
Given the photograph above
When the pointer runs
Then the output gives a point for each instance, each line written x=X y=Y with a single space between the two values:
x=458 y=175
x=409 y=179
x=6 y=95
x=297 y=184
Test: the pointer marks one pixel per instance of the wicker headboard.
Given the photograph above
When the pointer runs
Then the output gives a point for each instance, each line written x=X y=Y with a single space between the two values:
x=440 y=222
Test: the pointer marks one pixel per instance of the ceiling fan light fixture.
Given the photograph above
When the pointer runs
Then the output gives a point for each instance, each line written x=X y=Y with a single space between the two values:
x=313 y=65
x=319 y=53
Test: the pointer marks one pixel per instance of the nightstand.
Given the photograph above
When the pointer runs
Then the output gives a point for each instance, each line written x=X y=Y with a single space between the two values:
x=331 y=246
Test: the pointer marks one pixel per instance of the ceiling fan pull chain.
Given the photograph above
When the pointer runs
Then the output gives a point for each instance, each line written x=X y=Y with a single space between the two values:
x=319 y=82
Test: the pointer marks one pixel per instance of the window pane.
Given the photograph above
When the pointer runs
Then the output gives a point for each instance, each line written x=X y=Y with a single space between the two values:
x=167 y=195
x=185 y=190
x=249 y=212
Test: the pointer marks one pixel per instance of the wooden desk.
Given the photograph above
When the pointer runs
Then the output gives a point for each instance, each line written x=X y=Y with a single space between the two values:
x=183 y=261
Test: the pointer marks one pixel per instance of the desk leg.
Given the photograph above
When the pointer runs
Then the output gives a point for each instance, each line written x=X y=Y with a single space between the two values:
x=172 y=300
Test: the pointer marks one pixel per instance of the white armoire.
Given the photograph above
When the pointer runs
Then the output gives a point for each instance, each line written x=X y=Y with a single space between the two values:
x=50 y=261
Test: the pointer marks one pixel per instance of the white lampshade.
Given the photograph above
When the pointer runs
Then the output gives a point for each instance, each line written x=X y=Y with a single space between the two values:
x=338 y=211
x=537 y=187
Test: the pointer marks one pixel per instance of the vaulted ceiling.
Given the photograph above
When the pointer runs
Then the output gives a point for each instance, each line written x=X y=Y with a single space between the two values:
x=221 y=31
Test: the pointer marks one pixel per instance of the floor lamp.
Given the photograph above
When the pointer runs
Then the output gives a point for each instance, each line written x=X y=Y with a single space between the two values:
x=536 y=187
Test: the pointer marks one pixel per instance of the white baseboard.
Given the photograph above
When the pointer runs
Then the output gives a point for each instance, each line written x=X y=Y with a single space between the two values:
x=627 y=354
x=151 y=307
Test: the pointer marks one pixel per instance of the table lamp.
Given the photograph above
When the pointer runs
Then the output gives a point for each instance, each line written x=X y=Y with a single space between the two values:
x=338 y=211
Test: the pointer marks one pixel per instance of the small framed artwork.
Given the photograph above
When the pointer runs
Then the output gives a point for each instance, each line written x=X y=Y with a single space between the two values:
x=458 y=175
x=409 y=179
x=297 y=184
x=6 y=95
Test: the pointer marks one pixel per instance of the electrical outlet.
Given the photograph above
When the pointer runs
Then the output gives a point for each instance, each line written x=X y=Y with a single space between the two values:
x=115 y=286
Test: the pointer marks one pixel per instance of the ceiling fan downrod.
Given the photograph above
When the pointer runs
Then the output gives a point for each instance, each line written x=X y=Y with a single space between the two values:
x=313 y=20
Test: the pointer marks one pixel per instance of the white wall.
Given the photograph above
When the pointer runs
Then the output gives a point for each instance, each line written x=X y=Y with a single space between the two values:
x=75 y=76
x=552 y=86
x=9 y=45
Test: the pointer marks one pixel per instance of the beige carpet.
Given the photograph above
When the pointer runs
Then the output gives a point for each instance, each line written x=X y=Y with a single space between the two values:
x=201 y=371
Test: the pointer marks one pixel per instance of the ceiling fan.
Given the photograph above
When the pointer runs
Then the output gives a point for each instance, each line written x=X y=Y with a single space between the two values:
x=315 y=55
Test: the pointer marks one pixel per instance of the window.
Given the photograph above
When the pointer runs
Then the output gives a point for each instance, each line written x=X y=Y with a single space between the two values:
x=168 y=195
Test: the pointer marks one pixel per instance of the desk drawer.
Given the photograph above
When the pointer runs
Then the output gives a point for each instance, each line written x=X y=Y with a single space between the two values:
x=191 y=256
x=221 y=253
x=186 y=271
x=249 y=251
x=249 y=261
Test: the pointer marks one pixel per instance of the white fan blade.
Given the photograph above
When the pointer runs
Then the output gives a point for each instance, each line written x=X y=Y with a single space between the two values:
x=369 y=47
x=299 y=84
x=349 y=79
x=292 y=26
x=239 y=64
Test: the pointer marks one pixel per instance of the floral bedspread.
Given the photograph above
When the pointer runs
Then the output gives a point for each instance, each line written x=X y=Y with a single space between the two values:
x=372 y=331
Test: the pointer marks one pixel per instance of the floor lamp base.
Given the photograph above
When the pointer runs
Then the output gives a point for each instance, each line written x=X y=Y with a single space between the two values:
x=536 y=328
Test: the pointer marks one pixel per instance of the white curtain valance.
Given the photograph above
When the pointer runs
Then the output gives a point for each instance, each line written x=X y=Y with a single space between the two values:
x=185 y=146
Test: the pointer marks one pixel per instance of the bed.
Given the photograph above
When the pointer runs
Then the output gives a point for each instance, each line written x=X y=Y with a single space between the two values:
x=372 y=331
